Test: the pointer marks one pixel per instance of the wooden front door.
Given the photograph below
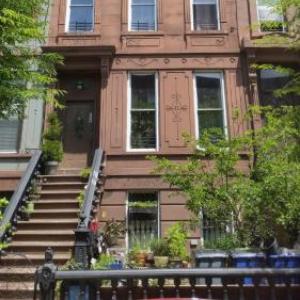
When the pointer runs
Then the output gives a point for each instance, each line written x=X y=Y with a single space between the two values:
x=78 y=133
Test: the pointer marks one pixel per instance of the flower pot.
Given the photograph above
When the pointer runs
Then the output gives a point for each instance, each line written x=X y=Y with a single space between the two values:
x=176 y=263
x=161 y=261
x=51 y=167
x=140 y=259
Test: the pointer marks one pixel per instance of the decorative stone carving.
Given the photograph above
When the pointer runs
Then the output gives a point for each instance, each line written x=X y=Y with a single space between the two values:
x=176 y=107
x=142 y=61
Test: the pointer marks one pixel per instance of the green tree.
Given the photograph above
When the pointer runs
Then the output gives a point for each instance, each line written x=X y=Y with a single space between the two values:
x=257 y=194
x=25 y=72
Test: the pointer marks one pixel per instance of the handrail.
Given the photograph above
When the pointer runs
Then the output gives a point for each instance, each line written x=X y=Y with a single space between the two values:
x=86 y=209
x=19 y=194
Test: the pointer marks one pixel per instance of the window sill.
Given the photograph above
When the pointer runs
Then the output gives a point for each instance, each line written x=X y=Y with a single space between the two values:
x=206 y=32
x=78 y=33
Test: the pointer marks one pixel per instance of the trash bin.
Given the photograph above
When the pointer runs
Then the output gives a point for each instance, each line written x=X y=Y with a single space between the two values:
x=211 y=259
x=278 y=261
x=248 y=260
x=293 y=261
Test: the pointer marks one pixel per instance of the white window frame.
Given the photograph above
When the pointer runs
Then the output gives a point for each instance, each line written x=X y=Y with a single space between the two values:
x=130 y=18
x=127 y=212
x=18 y=138
x=192 y=15
x=259 y=21
x=68 y=15
x=223 y=100
x=129 y=102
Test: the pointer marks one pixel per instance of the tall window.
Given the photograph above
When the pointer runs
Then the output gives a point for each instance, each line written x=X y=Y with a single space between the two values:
x=143 y=15
x=205 y=14
x=269 y=17
x=142 y=112
x=142 y=218
x=9 y=134
x=269 y=82
x=210 y=102
x=80 y=15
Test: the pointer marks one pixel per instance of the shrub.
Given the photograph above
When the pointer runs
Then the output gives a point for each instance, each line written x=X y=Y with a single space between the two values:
x=160 y=247
x=176 y=238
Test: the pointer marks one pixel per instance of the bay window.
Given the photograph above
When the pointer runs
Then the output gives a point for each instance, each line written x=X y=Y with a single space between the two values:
x=210 y=104
x=205 y=14
x=142 y=218
x=142 y=115
x=143 y=15
x=269 y=17
x=80 y=15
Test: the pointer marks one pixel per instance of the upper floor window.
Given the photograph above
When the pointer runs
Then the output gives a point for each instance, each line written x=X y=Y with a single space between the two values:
x=269 y=16
x=205 y=15
x=269 y=82
x=142 y=115
x=80 y=15
x=143 y=15
x=210 y=102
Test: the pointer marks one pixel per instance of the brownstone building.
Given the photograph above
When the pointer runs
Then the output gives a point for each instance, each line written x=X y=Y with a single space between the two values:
x=140 y=73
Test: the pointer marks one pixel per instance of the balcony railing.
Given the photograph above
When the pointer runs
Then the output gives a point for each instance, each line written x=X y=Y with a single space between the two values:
x=81 y=26
x=267 y=284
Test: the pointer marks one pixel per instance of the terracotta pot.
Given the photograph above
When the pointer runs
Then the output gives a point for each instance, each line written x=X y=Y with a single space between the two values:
x=140 y=259
x=161 y=261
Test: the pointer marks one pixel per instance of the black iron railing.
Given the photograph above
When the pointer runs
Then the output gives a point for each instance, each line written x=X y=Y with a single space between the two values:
x=137 y=284
x=20 y=197
x=84 y=241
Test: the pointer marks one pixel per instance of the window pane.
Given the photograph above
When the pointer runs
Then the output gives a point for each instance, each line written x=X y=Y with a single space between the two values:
x=270 y=81
x=143 y=2
x=143 y=130
x=81 y=19
x=142 y=219
x=143 y=17
x=209 y=91
x=205 y=16
x=210 y=119
x=143 y=91
x=9 y=135
x=82 y=2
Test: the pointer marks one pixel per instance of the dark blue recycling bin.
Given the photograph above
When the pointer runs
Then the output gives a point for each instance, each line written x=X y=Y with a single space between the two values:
x=75 y=292
x=211 y=259
x=293 y=261
x=278 y=261
x=248 y=260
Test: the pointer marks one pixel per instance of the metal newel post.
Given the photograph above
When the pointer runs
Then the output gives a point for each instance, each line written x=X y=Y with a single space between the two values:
x=82 y=245
x=45 y=277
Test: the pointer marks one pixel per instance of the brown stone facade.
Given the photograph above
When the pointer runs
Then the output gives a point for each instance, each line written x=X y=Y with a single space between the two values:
x=175 y=53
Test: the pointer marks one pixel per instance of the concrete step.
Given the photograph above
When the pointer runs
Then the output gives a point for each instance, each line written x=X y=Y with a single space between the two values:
x=52 y=235
x=56 y=203
x=17 y=273
x=63 y=213
x=50 y=224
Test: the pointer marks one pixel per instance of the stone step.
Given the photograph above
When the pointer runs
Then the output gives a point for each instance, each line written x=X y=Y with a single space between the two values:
x=56 y=203
x=33 y=259
x=35 y=246
x=16 y=290
x=74 y=185
x=60 y=178
x=13 y=273
x=50 y=224
x=59 y=194
x=52 y=235
x=55 y=213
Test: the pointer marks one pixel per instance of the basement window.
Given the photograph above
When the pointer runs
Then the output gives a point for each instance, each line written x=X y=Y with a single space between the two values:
x=10 y=134
x=205 y=15
x=142 y=218
x=80 y=16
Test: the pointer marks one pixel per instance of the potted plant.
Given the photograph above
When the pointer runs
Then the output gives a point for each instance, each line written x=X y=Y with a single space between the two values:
x=52 y=145
x=176 y=238
x=160 y=251
x=27 y=210
x=149 y=207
